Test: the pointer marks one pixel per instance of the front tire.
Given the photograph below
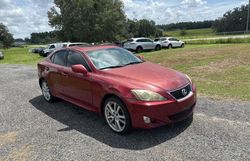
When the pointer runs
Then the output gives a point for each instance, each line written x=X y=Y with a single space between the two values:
x=170 y=46
x=46 y=92
x=117 y=116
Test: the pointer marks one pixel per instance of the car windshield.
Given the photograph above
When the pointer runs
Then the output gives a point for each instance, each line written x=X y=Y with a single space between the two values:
x=112 y=58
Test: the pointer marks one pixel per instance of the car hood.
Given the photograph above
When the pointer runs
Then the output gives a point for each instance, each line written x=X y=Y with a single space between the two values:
x=148 y=74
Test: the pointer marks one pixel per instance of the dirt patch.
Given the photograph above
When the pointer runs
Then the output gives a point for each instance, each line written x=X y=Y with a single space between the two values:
x=6 y=138
x=20 y=154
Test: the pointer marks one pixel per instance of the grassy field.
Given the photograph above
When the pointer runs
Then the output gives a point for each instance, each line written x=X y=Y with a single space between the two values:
x=219 y=70
x=20 y=56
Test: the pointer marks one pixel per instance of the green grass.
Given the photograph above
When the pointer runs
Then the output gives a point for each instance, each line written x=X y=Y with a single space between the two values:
x=218 y=70
x=20 y=56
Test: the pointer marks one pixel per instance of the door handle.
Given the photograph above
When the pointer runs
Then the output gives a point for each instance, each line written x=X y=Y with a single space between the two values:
x=64 y=74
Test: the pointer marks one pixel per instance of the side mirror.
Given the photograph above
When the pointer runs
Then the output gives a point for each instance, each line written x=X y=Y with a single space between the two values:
x=79 y=68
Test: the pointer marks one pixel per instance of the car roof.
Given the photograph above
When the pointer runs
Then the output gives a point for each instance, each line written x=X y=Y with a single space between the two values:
x=137 y=38
x=92 y=48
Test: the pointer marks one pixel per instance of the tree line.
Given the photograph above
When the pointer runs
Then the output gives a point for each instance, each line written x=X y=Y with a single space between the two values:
x=233 y=20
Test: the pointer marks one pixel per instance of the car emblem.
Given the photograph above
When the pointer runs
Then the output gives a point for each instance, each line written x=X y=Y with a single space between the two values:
x=184 y=92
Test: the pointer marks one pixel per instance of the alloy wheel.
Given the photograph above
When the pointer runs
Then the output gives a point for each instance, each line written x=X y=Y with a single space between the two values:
x=115 y=116
x=46 y=91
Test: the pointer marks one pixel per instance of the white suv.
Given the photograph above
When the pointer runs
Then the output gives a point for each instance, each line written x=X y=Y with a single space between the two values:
x=170 y=42
x=140 y=44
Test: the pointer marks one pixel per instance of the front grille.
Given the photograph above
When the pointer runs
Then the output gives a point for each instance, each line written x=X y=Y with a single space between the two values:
x=181 y=93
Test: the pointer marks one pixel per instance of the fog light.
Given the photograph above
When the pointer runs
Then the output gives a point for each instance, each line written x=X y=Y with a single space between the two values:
x=146 y=119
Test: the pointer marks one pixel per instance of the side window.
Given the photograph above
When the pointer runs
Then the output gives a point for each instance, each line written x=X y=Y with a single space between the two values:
x=148 y=40
x=59 y=57
x=75 y=58
x=52 y=47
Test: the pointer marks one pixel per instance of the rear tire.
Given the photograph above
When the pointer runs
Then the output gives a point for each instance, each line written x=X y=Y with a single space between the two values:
x=46 y=92
x=117 y=116
x=139 y=49
x=158 y=47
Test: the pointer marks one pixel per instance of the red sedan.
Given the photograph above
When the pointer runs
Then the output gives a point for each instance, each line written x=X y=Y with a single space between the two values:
x=126 y=90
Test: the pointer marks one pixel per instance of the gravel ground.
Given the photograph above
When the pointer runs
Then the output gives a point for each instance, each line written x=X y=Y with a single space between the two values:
x=32 y=129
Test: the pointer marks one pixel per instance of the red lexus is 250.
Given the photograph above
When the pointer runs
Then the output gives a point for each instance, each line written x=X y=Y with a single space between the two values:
x=128 y=91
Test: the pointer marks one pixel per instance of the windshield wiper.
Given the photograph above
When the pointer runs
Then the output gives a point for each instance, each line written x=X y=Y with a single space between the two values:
x=131 y=63
x=119 y=66
x=116 y=66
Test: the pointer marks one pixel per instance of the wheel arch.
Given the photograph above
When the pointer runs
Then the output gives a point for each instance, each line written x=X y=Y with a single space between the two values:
x=106 y=97
x=40 y=81
x=140 y=46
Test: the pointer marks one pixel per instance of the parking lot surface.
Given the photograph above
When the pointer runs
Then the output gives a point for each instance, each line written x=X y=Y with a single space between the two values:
x=32 y=129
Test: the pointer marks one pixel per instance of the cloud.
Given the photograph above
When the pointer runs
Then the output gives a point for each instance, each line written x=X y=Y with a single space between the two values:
x=193 y=3
x=157 y=10
x=22 y=17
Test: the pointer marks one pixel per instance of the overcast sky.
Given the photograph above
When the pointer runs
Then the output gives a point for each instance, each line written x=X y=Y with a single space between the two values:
x=23 y=17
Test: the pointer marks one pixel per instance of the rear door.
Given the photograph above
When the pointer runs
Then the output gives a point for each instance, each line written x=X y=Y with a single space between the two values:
x=56 y=70
x=150 y=44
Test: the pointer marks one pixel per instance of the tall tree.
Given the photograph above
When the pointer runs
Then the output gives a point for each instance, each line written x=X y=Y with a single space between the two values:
x=88 y=20
x=6 y=37
x=234 y=20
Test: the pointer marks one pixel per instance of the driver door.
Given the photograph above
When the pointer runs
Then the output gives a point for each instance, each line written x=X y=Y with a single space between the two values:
x=77 y=86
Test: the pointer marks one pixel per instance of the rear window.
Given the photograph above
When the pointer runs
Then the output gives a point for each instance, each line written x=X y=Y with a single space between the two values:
x=130 y=40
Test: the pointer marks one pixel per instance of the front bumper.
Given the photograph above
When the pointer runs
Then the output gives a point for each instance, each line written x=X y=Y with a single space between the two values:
x=160 y=113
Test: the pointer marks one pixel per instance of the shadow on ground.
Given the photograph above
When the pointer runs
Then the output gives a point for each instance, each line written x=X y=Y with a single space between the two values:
x=92 y=125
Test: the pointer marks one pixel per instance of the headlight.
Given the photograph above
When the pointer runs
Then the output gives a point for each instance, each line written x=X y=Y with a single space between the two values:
x=190 y=80
x=145 y=95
